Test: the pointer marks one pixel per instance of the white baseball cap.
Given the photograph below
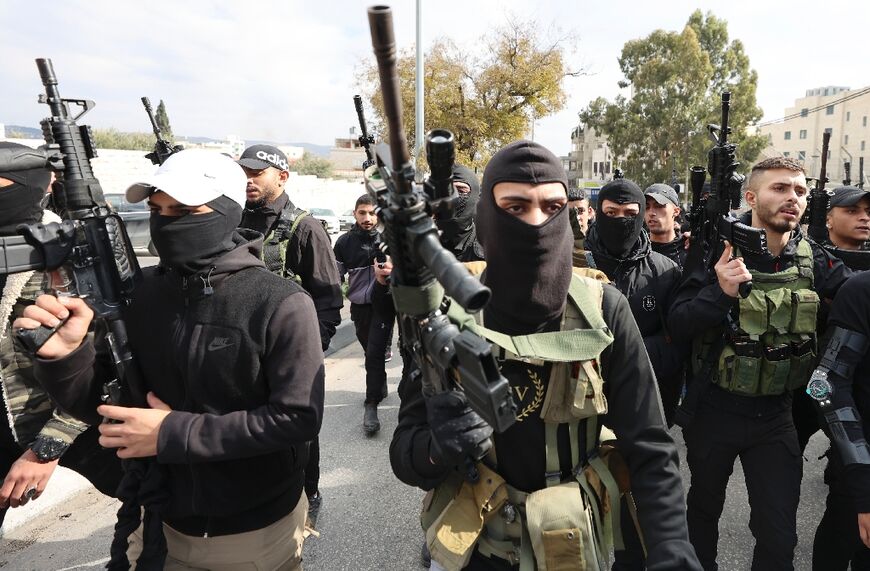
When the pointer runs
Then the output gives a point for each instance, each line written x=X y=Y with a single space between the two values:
x=194 y=177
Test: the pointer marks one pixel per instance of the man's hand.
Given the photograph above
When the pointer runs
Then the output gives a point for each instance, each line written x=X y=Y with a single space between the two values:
x=383 y=271
x=49 y=311
x=731 y=273
x=27 y=473
x=457 y=431
x=864 y=528
x=135 y=433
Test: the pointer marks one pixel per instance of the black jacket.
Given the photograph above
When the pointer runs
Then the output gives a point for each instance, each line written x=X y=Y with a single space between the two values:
x=675 y=250
x=242 y=370
x=701 y=304
x=650 y=281
x=356 y=248
x=634 y=414
x=851 y=310
x=309 y=256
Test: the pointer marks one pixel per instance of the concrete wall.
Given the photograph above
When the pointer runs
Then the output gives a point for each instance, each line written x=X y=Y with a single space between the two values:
x=118 y=169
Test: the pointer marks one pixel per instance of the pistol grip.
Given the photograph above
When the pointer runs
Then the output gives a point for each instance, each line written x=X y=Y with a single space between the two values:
x=744 y=289
x=33 y=339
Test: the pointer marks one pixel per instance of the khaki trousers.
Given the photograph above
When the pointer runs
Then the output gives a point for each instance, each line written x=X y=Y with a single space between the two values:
x=277 y=547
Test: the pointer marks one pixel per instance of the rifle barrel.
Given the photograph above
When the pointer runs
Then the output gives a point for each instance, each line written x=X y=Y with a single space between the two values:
x=384 y=45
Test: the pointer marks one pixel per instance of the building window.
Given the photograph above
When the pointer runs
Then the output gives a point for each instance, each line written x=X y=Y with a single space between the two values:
x=803 y=134
x=786 y=154
x=595 y=167
x=607 y=167
x=864 y=122
x=805 y=112
x=848 y=115
x=829 y=110
x=862 y=145
x=788 y=135
x=802 y=155
x=846 y=140
x=828 y=130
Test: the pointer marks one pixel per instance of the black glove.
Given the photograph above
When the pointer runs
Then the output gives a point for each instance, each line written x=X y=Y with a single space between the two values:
x=457 y=431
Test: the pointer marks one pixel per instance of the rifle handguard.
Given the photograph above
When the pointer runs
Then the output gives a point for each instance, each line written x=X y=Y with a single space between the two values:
x=458 y=283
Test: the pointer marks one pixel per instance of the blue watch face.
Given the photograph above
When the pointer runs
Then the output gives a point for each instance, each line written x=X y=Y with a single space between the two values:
x=819 y=389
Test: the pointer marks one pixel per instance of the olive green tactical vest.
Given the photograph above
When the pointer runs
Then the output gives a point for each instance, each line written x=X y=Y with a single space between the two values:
x=275 y=244
x=774 y=347
x=576 y=520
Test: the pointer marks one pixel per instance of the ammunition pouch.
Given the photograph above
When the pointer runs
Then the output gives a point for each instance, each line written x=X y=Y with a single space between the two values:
x=559 y=520
x=775 y=348
x=455 y=530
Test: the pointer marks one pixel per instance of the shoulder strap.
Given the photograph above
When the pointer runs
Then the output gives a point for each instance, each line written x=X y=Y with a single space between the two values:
x=804 y=260
x=556 y=346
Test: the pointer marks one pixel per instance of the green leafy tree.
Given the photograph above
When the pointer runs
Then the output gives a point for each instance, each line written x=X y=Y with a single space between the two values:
x=163 y=121
x=113 y=139
x=485 y=102
x=311 y=164
x=676 y=80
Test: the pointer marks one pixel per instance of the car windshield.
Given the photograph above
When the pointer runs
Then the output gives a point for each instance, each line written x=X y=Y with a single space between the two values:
x=322 y=212
x=348 y=213
x=120 y=204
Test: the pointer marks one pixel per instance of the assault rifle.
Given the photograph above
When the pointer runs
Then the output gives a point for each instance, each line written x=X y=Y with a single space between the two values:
x=710 y=216
x=860 y=173
x=674 y=184
x=820 y=199
x=365 y=139
x=817 y=212
x=163 y=149
x=422 y=269
x=89 y=253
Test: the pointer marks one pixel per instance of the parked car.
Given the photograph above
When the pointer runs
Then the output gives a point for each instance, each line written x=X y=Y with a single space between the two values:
x=346 y=221
x=137 y=219
x=328 y=216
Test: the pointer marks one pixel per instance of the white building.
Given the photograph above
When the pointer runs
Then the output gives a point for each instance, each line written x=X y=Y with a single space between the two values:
x=844 y=113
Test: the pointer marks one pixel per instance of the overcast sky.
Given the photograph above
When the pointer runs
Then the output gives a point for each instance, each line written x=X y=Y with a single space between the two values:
x=283 y=70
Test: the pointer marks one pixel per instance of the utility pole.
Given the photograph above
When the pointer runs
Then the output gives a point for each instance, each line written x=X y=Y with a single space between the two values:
x=418 y=95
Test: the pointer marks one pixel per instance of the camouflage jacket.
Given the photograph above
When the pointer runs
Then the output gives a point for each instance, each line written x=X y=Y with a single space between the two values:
x=31 y=414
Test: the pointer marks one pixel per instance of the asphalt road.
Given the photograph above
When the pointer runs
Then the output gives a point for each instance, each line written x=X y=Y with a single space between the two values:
x=369 y=520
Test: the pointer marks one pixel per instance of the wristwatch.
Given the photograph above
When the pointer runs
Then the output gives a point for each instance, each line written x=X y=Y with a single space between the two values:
x=819 y=388
x=48 y=449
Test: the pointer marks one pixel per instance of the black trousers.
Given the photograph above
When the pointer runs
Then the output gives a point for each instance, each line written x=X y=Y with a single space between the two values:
x=768 y=449
x=806 y=418
x=838 y=542
x=374 y=331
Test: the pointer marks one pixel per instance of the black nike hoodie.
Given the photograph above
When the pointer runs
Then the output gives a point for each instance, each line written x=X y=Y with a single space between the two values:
x=235 y=352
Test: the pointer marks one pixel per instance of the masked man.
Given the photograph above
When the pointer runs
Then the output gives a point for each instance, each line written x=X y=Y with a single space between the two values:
x=230 y=354
x=536 y=466
x=36 y=436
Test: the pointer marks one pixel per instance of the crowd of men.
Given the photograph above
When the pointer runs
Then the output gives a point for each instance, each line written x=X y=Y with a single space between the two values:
x=599 y=320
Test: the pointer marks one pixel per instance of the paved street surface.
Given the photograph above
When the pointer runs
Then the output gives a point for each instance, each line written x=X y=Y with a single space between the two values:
x=368 y=520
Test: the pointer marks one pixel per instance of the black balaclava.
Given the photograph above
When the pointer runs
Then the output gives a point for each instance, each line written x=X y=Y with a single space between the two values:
x=456 y=229
x=528 y=267
x=21 y=202
x=190 y=243
x=618 y=235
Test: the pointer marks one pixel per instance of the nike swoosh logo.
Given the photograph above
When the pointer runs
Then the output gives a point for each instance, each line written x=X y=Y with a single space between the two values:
x=219 y=344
